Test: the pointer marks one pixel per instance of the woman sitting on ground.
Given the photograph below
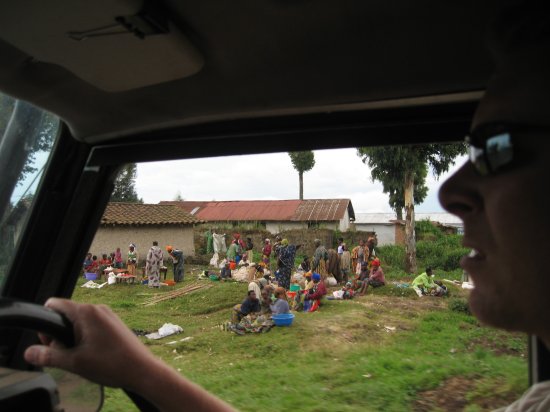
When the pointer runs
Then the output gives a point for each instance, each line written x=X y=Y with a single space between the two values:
x=375 y=279
x=362 y=277
x=281 y=304
x=265 y=301
x=316 y=293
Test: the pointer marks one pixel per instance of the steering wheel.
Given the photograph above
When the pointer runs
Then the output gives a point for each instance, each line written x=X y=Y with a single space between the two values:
x=20 y=387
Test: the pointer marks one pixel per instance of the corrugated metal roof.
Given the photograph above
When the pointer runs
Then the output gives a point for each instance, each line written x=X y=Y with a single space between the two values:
x=441 y=217
x=188 y=206
x=373 y=218
x=249 y=210
x=321 y=210
x=269 y=210
x=386 y=218
x=145 y=214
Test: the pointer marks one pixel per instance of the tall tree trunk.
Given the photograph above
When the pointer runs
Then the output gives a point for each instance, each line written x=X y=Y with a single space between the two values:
x=301 y=175
x=399 y=213
x=410 y=242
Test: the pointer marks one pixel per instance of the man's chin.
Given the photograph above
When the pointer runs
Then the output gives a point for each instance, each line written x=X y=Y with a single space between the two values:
x=492 y=313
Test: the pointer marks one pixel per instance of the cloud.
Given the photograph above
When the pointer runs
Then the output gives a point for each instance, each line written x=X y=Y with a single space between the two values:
x=337 y=174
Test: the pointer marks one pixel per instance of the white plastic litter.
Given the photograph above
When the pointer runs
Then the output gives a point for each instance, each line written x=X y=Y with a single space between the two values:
x=187 y=339
x=92 y=285
x=467 y=285
x=165 y=330
x=332 y=281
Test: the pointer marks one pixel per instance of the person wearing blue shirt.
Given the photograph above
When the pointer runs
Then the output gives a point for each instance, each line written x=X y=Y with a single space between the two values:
x=251 y=305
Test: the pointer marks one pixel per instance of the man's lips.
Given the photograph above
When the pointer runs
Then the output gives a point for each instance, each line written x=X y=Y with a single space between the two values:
x=476 y=254
x=473 y=260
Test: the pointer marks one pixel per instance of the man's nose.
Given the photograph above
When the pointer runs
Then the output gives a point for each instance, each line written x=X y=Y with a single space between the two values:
x=459 y=195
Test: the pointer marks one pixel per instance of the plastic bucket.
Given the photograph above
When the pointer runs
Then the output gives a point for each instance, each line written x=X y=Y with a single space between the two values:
x=283 y=319
x=232 y=265
x=291 y=295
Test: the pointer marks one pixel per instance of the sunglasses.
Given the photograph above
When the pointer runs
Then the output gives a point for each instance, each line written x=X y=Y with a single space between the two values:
x=490 y=148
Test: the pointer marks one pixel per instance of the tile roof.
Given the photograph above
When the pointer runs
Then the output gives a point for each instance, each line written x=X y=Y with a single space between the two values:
x=189 y=206
x=145 y=214
x=269 y=210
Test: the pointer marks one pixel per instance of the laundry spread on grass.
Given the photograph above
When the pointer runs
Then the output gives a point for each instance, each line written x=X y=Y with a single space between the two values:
x=165 y=330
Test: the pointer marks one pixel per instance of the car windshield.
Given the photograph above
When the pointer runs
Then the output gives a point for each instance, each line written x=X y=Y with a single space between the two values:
x=27 y=136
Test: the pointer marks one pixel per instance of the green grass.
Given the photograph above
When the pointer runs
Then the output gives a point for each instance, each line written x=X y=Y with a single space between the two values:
x=342 y=358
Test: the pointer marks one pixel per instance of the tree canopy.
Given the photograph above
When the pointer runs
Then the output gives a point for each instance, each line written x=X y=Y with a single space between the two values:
x=124 y=190
x=302 y=162
x=402 y=170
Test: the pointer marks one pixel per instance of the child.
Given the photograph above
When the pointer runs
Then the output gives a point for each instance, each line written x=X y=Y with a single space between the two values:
x=281 y=304
x=348 y=291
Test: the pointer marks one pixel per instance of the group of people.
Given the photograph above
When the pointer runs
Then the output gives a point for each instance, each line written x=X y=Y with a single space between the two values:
x=154 y=262
x=92 y=264
x=499 y=194
x=239 y=249
x=264 y=299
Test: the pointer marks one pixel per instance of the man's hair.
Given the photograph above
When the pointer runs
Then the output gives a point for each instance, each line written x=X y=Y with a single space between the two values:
x=250 y=291
x=428 y=269
x=155 y=243
x=518 y=24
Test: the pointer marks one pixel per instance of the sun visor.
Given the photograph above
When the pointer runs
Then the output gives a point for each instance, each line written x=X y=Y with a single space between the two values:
x=114 y=45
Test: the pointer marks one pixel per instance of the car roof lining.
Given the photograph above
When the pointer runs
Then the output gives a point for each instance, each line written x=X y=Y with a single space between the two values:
x=260 y=58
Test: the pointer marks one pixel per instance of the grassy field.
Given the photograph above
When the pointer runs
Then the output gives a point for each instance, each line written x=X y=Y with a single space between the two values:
x=387 y=351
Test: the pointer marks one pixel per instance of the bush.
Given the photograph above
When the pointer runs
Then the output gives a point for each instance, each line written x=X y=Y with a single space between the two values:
x=459 y=305
x=425 y=230
x=392 y=256
x=443 y=253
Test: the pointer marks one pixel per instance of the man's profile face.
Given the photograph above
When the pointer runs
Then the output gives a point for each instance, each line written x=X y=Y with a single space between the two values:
x=503 y=206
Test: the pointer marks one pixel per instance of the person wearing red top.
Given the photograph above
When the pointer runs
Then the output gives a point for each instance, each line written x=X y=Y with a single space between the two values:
x=316 y=293
x=266 y=252
x=94 y=266
x=375 y=279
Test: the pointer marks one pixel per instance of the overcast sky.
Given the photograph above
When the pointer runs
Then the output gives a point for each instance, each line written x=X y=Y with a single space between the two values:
x=337 y=174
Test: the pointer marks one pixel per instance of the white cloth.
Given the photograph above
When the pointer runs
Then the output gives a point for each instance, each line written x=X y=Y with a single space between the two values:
x=214 y=260
x=92 y=285
x=240 y=275
x=535 y=399
x=254 y=286
x=338 y=294
x=219 y=243
x=165 y=330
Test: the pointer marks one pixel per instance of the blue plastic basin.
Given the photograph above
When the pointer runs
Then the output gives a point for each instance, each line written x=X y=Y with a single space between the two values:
x=283 y=319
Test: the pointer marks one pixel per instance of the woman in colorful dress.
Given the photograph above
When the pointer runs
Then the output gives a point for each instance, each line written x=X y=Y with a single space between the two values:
x=266 y=252
x=287 y=253
x=154 y=261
